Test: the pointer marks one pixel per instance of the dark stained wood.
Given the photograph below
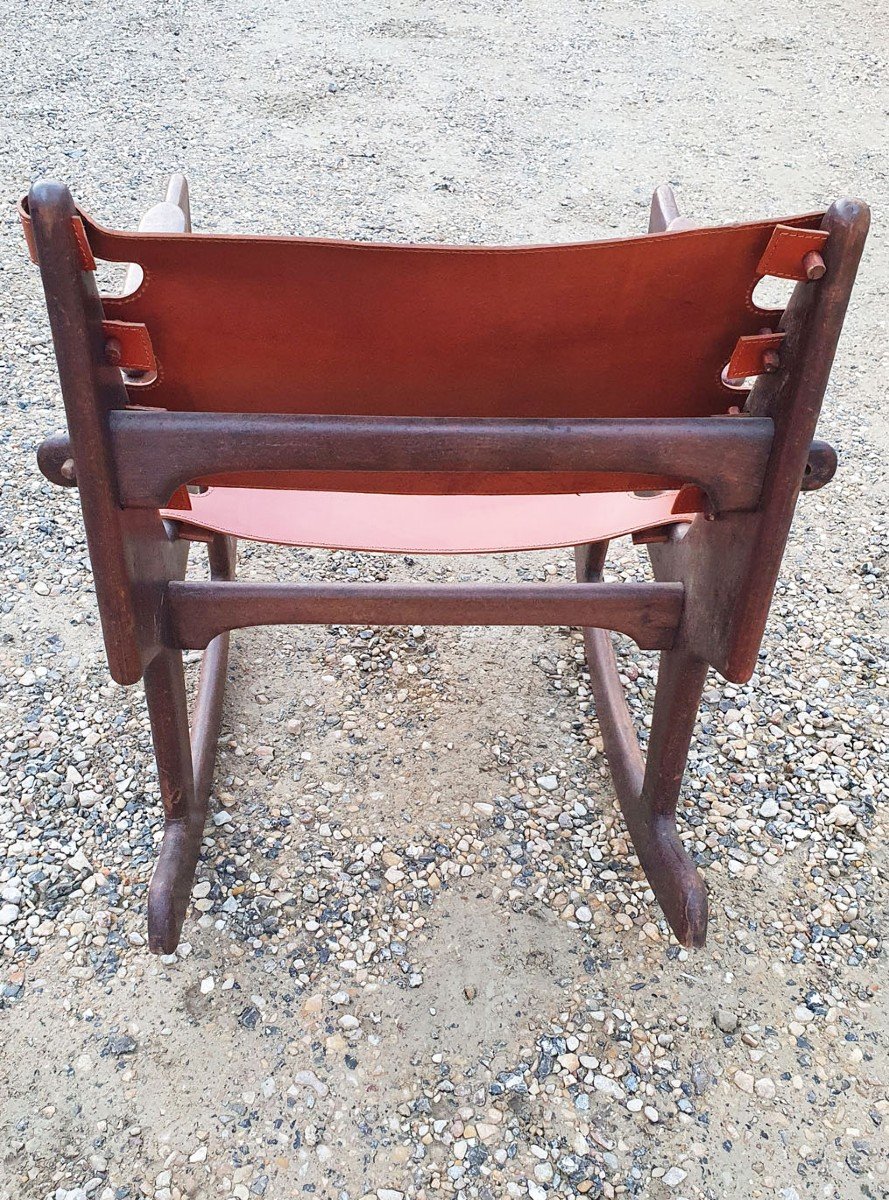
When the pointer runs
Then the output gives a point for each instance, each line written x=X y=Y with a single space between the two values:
x=730 y=566
x=54 y=458
x=55 y=462
x=184 y=811
x=157 y=452
x=648 y=789
x=172 y=215
x=618 y=734
x=131 y=556
x=89 y=391
x=813 y=265
x=821 y=466
x=651 y=814
x=646 y=612
x=211 y=688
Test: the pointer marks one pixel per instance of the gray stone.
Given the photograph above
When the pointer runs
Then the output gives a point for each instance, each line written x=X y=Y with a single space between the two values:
x=725 y=1021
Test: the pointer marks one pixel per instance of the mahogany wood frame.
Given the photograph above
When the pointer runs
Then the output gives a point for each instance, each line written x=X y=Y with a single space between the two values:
x=707 y=607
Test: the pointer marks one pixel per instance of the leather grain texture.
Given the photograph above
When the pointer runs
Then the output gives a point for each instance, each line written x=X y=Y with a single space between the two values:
x=133 y=350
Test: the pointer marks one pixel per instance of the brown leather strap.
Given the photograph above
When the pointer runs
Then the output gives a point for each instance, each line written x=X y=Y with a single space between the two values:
x=129 y=342
x=28 y=230
x=747 y=356
x=87 y=261
x=783 y=256
x=129 y=346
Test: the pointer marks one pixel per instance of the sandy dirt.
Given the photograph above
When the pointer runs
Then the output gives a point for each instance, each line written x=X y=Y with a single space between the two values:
x=483 y=1022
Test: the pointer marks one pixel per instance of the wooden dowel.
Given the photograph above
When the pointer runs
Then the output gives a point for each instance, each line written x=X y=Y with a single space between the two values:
x=813 y=265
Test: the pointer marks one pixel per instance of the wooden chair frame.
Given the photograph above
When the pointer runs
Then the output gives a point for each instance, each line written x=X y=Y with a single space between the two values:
x=707 y=606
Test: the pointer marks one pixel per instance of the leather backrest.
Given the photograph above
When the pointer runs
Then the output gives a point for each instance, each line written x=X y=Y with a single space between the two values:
x=634 y=327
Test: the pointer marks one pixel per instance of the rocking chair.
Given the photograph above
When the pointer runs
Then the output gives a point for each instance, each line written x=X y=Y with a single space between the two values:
x=437 y=400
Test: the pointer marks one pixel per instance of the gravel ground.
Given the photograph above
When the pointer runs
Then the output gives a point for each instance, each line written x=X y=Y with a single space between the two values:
x=421 y=960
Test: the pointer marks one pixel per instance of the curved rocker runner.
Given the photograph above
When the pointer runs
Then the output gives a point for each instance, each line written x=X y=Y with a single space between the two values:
x=436 y=400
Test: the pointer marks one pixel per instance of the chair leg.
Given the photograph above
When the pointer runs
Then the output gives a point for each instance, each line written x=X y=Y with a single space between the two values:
x=184 y=816
x=648 y=790
x=185 y=766
x=211 y=687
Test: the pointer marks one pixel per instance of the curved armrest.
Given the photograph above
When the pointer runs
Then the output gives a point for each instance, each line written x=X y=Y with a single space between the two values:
x=664 y=216
x=172 y=215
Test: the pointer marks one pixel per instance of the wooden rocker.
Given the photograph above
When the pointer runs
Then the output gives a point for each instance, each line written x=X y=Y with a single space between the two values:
x=434 y=399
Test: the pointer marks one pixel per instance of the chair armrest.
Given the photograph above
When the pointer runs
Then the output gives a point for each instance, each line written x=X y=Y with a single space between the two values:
x=664 y=216
x=172 y=215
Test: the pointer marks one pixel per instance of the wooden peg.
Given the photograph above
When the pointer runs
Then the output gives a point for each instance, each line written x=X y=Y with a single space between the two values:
x=813 y=265
x=770 y=358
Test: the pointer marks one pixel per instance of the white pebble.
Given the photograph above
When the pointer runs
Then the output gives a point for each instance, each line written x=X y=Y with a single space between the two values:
x=674 y=1177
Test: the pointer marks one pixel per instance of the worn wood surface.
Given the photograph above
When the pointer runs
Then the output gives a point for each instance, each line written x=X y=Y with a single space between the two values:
x=730 y=565
x=647 y=788
x=156 y=452
x=647 y=612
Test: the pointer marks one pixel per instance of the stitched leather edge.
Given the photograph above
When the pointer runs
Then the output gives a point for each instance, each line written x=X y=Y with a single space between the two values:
x=136 y=351
x=746 y=359
x=787 y=247
x=87 y=261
